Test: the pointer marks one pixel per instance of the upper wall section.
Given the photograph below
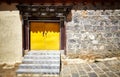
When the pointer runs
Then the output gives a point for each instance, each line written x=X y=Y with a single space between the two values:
x=77 y=4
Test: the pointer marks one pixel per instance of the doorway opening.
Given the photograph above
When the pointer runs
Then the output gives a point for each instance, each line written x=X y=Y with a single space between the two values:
x=33 y=12
x=44 y=35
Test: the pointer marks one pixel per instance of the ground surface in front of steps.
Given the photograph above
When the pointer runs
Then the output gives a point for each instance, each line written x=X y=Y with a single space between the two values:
x=99 y=69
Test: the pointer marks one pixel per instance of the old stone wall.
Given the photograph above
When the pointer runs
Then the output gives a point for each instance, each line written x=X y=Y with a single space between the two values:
x=93 y=30
x=10 y=37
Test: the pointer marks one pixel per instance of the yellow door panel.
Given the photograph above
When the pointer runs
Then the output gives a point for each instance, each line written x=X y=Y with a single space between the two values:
x=44 y=36
x=52 y=40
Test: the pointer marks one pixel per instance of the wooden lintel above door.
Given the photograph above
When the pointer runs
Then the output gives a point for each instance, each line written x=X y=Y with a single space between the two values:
x=42 y=11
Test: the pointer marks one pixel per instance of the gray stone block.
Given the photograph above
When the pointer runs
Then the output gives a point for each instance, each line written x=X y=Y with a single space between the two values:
x=107 y=12
x=102 y=75
x=119 y=26
x=95 y=22
x=82 y=73
x=98 y=71
x=107 y=22
x=91 y=12
x=69 y=46
x=115 y=22
x=87 y=68
x=69 y=35
x=71 y=51
x=118 y=34
x=116 y=12
x=109 y=48
x=95 y=42
x=84 y=46
x=88 y=27
x=76 y=18
x=75 y=75
x=69 y=27
x=72 y=40
x=111 y=74
x=112 y=18
x=100 y=28
x=94 y=28
x=108 y=34
x=116 y=40
x=86 y=22
x=107 y=29
x=114 y=28
x=92 y=74
x=77 y=27
x=93 y=65
x=118 y=73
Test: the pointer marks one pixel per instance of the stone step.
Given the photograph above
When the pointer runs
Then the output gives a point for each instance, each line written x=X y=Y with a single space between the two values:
x=37 y=75
x=37 y=66
x=46 y=51
x=41 y=62
x=38 y=71
x=42 y=57
x=43 y=53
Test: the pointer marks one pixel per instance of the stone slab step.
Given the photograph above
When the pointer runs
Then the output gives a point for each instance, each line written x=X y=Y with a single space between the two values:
x=43 y=53
x=38 y=65
x=46 y=51
x=38 y=71
x=40 y=62
x=42 y=57
x=37 y=75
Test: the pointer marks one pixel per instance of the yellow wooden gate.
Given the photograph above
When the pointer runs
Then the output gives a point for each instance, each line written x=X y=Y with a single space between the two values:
x=44 y=36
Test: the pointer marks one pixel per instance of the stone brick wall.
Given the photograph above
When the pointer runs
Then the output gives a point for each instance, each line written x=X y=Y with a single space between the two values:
x=10 y=37
x=93 y=30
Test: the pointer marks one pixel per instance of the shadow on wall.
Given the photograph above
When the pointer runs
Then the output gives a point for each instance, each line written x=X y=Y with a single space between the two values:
x=97 y=6
x=92 y=5
x=6 y=7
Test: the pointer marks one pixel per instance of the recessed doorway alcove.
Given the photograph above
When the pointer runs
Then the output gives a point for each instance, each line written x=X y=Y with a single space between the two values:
x=44 y=35
x=43 y=26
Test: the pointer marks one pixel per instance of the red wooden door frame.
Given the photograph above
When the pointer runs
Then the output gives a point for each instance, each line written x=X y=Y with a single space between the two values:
x=26 y=34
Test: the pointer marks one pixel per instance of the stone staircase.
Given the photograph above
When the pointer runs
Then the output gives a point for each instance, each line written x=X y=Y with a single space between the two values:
x=40 y=63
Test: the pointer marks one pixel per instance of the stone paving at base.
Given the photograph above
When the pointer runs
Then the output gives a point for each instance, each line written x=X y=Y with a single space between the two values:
x=97 y=69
